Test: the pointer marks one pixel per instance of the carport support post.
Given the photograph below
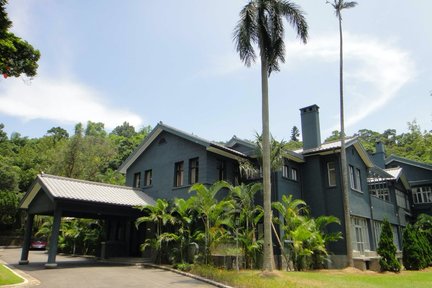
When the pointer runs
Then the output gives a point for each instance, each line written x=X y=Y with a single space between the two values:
x=52 y=252
x=27 y=238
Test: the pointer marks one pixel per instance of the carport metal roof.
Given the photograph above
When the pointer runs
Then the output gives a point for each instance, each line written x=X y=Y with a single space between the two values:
x=81 y=198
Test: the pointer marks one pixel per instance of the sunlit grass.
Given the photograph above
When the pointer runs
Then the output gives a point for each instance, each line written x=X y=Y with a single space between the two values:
x=351 y=278
x=7 y=277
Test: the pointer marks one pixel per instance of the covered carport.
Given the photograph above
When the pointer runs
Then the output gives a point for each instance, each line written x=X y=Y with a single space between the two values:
x=66 y=197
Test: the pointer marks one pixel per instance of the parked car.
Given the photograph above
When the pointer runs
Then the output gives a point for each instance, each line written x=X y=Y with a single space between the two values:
x=38 y=243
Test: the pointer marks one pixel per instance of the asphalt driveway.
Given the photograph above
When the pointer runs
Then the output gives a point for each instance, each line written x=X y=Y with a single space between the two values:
x=83 y=272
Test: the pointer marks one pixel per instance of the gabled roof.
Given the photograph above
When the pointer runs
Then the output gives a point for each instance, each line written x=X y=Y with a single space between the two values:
x=418 y=164
x=335 y=146
x=235 y=140
x=73 y=189
x=160 y=127
x=394 y=174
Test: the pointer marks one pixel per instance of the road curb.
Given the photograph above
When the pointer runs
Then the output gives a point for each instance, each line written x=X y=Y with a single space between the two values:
x=28 y=280
x=214 y=283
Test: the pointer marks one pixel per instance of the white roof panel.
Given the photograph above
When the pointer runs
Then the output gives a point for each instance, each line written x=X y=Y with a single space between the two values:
x=74 y=189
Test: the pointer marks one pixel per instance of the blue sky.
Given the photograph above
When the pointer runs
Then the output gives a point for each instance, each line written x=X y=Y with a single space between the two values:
x=175 y=61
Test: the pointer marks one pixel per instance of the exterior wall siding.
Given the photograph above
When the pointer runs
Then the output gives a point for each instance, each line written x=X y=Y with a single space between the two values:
x=161 y=156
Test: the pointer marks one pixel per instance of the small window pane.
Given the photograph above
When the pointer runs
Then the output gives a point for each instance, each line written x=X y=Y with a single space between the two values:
x=137 y=180
x=148 y=179
x=331 y=170
x=178 y=180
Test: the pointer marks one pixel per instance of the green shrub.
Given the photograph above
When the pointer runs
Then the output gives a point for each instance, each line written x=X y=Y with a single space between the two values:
x=186 y=267
x=387 y=250
x=412 y=255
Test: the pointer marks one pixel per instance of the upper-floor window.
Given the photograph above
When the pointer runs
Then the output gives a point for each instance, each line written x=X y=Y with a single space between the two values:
x=221 y=168
x=137 y=180
x=355 y=178
x=294 y=174
x=331 y=173
x=178 y=172
x=148 y=178
x=193 y=170
x=422 y=194
x=285 y=171
x=379 y=190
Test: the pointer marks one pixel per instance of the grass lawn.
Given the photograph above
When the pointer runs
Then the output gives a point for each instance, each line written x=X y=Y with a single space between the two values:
x=7 y=277
x=349 y=277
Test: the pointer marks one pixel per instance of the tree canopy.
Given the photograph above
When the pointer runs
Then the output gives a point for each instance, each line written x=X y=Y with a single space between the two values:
x=17 y=56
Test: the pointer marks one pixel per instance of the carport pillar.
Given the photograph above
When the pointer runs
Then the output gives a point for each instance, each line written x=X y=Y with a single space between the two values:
x=27 y=239
x=52 y=252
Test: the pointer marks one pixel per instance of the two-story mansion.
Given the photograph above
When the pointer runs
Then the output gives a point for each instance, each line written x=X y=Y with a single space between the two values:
x=169 y=161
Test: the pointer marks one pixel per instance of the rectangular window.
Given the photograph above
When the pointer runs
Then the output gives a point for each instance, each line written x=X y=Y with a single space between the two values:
x=137 y=180
x=148 y=180
x=358 y=179
x=193 y=171
x=331 y=173
x=351 y=174
x=379 y=190
x=221 y=168
x=285 y=171
x=294 y=174
x=360 y=234
x=422 y=194
x=355 y=178
x=178 y=178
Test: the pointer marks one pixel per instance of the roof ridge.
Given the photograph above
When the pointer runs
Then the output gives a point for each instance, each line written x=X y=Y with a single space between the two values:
x=86 y=181
x=425 y=165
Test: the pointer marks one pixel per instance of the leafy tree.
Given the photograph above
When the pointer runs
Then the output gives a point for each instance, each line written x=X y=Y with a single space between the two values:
x=261 y=22
x=3 y=134
x=212 y=212
x=290 y=219
x=182 y=213
x=339 y=5
x=125 y=130
x=16 y=55
x=248 y=215
x=58 y=133
x=295 y=133
x=95 y=129
x=387 y=249
x=412 y=252
x=160 y=215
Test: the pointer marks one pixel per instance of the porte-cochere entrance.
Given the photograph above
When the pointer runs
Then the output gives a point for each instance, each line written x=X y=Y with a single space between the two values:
x=66 y=197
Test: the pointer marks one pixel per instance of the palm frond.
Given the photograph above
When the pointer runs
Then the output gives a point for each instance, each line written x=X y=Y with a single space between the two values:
x=296 y=17
x=245 y=33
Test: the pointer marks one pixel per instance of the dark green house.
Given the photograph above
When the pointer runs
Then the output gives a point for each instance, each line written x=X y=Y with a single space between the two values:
x=169 y=161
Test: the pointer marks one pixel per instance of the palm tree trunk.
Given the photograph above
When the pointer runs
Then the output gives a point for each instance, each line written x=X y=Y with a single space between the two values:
x=344 y=165
x=268 y=245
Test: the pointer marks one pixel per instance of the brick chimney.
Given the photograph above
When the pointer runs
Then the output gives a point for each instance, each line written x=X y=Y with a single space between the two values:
x=310 y=127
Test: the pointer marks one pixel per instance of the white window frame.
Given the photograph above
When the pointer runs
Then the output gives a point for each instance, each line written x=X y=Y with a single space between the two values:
x=422 y=194
x=360 y=234
x=294 y=174
x=331 y=173
x=355 y=178
x=148 y=177
x=285 y=171
x=137 y=180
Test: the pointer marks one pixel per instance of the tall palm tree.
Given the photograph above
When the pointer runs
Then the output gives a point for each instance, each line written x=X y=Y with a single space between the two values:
x=261 y=22
x=339 y=5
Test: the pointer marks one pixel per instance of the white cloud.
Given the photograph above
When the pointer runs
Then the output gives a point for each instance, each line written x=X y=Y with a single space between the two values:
x=375 y=71
x=60 y=100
